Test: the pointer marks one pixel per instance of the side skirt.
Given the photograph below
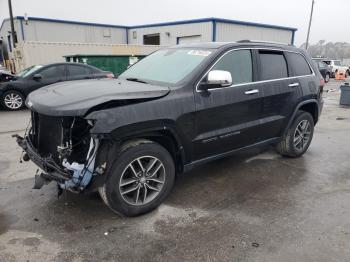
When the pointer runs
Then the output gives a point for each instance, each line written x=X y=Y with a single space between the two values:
x=202 y=161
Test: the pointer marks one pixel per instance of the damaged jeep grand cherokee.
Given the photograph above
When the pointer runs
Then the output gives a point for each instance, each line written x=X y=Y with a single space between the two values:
x=175 y=109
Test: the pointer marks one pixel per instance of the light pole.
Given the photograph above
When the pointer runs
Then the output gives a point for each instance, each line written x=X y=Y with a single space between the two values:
x=13 y=32
x=308 y=31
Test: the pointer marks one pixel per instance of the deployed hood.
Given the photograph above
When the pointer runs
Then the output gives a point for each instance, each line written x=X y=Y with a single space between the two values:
x=75 y=98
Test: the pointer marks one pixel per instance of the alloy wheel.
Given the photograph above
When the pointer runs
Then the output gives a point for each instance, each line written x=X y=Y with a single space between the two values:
x=302 y=135
x=142 y=180
x=13 y=101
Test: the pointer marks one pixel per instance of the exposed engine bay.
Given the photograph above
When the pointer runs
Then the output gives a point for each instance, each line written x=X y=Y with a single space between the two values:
x=64 y=149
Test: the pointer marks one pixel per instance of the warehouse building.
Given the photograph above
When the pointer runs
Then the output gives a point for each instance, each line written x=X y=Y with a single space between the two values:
x=62 y=38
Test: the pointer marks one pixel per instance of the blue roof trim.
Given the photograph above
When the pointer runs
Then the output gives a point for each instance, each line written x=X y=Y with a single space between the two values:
x=191 y=21
x=70 y=22
x=182 y=22
x=214 y=19
x=238 y=22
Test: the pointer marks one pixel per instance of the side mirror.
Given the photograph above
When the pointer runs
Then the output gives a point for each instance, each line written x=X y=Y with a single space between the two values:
x=217 y=79
x=37 y=77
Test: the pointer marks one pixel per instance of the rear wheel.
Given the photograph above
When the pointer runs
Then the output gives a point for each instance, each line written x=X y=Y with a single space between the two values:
x=298 y=137
x=12 y=100
x=141 y=177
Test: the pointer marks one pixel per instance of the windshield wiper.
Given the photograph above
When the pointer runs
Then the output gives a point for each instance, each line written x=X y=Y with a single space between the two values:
x=134 y=79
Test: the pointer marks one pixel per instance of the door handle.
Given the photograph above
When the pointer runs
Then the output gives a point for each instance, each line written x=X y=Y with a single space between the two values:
x=251 y=92
x=293 y=85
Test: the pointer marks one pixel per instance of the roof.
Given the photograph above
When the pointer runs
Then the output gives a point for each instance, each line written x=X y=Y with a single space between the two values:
x=192 y=21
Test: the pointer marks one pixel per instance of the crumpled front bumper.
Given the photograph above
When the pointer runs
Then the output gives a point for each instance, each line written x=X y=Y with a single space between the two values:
x=52 y=171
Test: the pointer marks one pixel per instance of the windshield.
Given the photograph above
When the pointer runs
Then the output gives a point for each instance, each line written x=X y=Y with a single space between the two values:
x=168 y=65
x=29 y=70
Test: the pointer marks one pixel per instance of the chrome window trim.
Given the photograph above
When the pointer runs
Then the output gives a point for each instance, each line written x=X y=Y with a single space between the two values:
x=257 y=82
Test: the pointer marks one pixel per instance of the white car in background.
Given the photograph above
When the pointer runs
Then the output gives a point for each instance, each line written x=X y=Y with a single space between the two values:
x=336 y=66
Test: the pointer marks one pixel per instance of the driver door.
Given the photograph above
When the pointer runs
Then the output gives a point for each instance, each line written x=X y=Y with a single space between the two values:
x=227 y=118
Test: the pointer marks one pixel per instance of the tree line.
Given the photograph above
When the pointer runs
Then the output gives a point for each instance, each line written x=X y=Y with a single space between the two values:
x=337 y=50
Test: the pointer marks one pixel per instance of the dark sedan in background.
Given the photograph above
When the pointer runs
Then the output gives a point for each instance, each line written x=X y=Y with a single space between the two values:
x=324 y=69
x=14 y=91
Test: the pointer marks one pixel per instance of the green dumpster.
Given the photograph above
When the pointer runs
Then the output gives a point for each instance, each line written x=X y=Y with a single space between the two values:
x=113 y=63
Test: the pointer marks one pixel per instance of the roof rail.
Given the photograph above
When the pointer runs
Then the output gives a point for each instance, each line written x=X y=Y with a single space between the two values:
x=260 y=41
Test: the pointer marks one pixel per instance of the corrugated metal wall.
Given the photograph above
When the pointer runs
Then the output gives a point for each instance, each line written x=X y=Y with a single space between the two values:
x=32 y=53
x=66 y=32
x=234 y=32
x=175 y=31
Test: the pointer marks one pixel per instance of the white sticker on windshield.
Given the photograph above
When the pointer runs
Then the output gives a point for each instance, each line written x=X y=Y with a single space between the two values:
x=199 y=52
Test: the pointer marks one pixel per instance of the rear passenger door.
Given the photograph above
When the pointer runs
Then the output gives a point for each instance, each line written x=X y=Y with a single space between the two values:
x=77 y=72
x=228 y=118
x=280 y=92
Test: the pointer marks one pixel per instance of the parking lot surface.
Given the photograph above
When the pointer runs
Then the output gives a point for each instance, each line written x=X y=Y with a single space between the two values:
x=253 y=206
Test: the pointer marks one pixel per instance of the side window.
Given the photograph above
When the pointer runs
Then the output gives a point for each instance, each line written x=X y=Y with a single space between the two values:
x=53 y=72
x=76 y=70
x=300 y=66
x=273 y=65
x=239 y=64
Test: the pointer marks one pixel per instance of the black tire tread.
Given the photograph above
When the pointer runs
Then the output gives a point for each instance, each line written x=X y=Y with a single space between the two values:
x=2 y=103
x=123 y=149
x=284 y=146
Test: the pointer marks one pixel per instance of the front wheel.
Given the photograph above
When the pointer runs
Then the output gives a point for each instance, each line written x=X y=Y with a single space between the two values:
x=298 y=137
x=12 y=100
x=141 y=177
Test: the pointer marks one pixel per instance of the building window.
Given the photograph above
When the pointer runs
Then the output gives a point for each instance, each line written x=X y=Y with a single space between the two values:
x=153 y=39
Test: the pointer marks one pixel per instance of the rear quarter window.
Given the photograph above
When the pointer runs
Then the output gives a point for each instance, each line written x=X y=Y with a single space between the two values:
x=273 y=65
x=77 y=70
x=299 y=65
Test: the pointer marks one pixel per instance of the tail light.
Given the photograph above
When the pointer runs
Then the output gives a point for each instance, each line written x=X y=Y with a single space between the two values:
x=110 y=75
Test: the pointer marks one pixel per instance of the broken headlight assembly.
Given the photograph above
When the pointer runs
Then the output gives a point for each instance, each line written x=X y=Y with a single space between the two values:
x=64 y=149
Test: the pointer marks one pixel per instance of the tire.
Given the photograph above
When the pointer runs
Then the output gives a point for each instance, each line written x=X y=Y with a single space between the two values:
x=12 y=100
x=126 y=175
x=289 y=146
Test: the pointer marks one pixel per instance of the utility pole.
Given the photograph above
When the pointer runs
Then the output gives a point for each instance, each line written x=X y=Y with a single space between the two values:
x=308 y=31
x=13 y=32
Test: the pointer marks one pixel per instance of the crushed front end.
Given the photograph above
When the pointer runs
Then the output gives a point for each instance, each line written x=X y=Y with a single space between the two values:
x=64 y=149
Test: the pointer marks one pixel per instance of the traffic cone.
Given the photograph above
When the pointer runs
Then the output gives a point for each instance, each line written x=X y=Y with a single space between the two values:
x=339 y=75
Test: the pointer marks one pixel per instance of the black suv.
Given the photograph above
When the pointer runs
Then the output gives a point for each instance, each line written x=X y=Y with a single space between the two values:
x=175 y=109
